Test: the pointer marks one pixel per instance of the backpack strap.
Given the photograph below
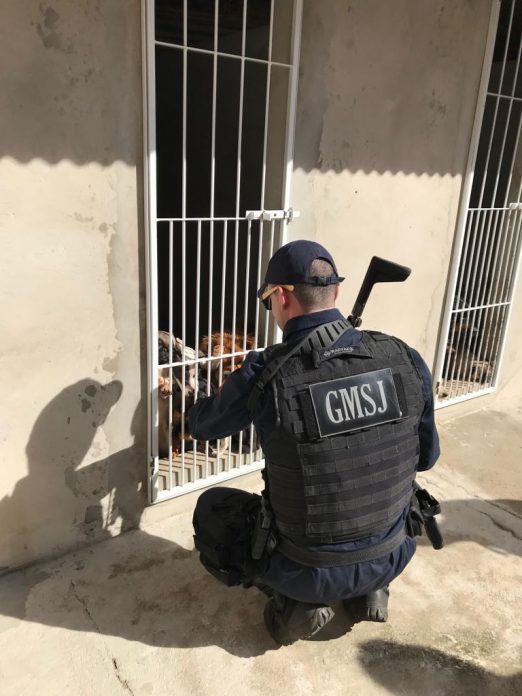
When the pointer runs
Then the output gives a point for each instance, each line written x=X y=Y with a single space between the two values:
x=323 y=336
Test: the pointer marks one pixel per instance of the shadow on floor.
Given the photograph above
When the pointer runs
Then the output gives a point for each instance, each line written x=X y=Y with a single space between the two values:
x=142 y=588
x=411 y=670
x=495 y=524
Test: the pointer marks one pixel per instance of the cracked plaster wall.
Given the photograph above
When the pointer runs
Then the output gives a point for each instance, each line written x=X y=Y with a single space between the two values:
x=72 y=420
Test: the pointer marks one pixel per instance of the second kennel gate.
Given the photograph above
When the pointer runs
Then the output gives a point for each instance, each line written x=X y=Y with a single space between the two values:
x=488 y=244
x=221 y=83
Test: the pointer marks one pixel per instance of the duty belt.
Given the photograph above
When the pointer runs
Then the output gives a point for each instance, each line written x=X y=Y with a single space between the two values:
x=330 y=559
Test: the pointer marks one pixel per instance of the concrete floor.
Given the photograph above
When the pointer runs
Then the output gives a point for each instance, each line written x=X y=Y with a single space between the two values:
x=138 y=615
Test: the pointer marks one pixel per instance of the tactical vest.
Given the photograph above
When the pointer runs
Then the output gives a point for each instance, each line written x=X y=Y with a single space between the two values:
x=341 y=460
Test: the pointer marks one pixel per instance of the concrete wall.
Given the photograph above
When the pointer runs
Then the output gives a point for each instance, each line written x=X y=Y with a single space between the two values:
x=72 y=418
x=387 y=97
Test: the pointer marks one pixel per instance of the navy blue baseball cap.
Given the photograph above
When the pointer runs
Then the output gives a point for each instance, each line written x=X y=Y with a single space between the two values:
x=291 y=264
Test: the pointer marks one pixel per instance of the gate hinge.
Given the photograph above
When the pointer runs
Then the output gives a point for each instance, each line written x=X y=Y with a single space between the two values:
x=288 y=214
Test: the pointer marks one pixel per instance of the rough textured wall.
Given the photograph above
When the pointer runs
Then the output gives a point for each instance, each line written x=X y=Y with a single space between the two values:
x=387 y=98
x=72 y=415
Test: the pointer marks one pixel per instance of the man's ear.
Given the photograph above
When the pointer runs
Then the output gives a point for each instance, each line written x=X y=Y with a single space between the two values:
x=337 y=291
x=285 y=296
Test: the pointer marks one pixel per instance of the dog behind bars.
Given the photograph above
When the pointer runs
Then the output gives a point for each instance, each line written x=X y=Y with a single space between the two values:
x=175 y=388
x=224 y=344
x=462 y=361
x=220 y=369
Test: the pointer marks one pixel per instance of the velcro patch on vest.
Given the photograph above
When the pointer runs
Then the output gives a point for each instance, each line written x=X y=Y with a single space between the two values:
x=352 y=403
x=357 y=351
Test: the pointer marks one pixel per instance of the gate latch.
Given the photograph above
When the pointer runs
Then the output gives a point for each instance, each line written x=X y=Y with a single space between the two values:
x=288 y=214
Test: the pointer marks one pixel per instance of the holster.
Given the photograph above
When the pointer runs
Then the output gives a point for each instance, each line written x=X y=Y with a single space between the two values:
x=264 y=538
x=423 y=508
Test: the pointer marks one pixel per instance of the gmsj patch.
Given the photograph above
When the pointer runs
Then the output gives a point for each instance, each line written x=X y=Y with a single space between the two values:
x=352 y=403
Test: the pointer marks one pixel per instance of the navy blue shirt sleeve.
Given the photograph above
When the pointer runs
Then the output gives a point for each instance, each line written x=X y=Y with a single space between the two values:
x=428 y=436
x=225 y=412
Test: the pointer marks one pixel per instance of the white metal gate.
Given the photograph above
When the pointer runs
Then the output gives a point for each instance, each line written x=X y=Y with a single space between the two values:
x=488 y=243
x=221 y=88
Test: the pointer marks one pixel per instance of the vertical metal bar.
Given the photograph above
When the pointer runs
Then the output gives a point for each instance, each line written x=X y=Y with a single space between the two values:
x=500 y=247
x=511 y=232
x=151 y=265
x=214 y=97
x=501 y=158
x=183 y=342
x=198 y=300
x=227 y=441
x=507 y=124
x=497 y=101
x=507 y=274
x=184 y=108
x=171 y=381
x=484 y=351
x=484 y=252
x=482 y=299
x=267 y=314
x=247 y=285
x=210 y=288
x=515 y=150
x=470 y=284
x=465 y=273
x=480 y=258
x=245 y=314
x=466 y=192
x=516 y=269
x=184 y=193
x=212 y=213
x=449 y=365
x=291 y=104
x=504 y=256
x=234 y=310
x=238 y=165
x=496 y=273
x=290 y=124
x=267 y=105
x=258 y=281
x=223 y=292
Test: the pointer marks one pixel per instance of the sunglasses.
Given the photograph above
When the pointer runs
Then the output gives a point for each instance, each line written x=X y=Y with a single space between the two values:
x=265 y=296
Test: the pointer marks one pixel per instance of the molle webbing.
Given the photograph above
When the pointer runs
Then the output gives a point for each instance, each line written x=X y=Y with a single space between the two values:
x=350 y=485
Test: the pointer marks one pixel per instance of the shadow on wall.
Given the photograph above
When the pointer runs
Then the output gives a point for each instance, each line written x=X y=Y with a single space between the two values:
x=410 y=670
x=73 y=71
x=71 y=82
x=59 y=494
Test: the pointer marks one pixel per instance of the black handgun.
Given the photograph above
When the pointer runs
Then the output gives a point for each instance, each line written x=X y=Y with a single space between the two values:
x=429 y=507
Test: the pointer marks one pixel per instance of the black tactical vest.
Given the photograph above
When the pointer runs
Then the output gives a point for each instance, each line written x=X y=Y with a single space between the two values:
x=342 y=458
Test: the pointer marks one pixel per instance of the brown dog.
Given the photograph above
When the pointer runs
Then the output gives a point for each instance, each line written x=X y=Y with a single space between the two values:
x=225 y=345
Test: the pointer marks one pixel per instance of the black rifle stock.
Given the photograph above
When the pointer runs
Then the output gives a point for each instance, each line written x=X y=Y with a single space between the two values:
x=379 y=271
